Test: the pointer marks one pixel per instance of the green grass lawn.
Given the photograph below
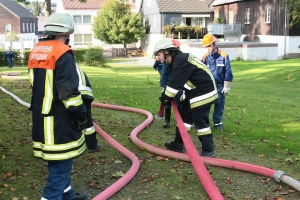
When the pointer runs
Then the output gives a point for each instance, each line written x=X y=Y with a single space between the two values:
x=261 y=126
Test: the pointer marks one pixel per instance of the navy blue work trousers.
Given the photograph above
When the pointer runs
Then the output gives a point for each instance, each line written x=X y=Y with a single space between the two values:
x=59 y=181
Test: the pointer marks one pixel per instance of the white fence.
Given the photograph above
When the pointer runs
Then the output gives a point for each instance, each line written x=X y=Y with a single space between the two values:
x=222 y=29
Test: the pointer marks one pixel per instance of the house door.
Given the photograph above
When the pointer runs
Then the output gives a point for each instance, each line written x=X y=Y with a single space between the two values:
x=188 y=21
x=230 y=19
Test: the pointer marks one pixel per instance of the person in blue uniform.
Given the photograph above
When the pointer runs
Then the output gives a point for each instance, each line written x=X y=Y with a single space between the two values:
x=219 y=64
x=9 y=55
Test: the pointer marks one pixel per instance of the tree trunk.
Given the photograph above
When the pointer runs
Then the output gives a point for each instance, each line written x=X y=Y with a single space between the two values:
x=125 y=50
x=47 y=8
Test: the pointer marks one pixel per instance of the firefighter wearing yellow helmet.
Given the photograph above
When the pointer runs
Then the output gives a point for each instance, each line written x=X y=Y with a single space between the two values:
x=219 y=64
x=58 y=112
x=193 y=79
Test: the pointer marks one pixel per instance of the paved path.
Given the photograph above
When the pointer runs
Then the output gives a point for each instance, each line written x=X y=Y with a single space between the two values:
x=136 y=61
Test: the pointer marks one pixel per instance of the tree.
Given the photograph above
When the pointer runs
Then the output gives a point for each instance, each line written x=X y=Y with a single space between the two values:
x=13 y=36
x=116 y=24
x=37 y=8
x=293 y=11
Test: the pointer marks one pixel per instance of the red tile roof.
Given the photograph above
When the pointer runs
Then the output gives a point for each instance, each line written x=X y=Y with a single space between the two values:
x=90 y=4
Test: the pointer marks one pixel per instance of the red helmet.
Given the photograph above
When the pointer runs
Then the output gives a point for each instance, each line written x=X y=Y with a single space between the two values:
x=176 y=43
x=208 y=39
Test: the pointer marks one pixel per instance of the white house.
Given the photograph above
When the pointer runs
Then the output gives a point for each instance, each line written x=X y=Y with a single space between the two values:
x=83 y=15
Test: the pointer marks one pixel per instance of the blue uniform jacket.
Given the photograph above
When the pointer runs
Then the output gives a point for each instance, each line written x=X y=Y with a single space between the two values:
x=157 y=65
x=9 y=54
x=165 y=75
x=219 y=65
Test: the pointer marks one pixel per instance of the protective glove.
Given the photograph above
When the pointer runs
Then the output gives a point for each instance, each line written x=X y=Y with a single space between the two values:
x=81 y=123
x=165 y=99
x=226 y=87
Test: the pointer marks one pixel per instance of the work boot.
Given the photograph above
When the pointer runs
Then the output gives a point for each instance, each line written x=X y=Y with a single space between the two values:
x=92 y=150
x=219 y=128
x=210 y=154
x=159 y=117
x=79 y=196
x=174 y=146
x=166 y=125
x=167 y=116
x=208 y=149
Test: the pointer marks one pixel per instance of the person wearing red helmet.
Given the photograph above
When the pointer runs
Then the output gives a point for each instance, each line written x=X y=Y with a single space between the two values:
x=199 y=92
x=165 y=78
x=219 y=64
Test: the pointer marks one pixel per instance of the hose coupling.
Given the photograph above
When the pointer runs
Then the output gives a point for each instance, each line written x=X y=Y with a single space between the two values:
x=278 y=174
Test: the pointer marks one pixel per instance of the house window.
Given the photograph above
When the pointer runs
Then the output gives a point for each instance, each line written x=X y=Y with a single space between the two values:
x=198 y=21
x=23 y=27
x=82 y=39
x=8 y=28
x=27 y=29
x=87 y=19
x=82 y=19
x=31 y=27
x=268 y=14
x=247 y=17
x=34 y=27
x=77 y=19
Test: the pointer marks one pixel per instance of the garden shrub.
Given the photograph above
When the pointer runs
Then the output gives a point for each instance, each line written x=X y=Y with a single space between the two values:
x=93 y=56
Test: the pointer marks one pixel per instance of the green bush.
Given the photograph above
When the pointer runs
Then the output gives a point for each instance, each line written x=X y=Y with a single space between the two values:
x=78 y=54
x=93 y=56
x=26 y=57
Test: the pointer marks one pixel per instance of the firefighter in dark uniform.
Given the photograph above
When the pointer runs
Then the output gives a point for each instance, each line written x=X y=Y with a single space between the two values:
x=199 y=92
x=58 y=112
x=87 y=96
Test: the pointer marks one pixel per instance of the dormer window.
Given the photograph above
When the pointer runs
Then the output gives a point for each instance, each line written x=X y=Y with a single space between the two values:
x=247 y=17
x=268 y=14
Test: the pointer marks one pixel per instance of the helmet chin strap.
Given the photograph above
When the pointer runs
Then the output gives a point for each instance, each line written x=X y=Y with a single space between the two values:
x=67 y=40
x=214 y=51
x=165 y=55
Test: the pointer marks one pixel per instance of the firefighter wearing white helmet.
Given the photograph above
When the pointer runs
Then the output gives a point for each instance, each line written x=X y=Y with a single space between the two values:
x=193 y=77
x=58 y=112
x=219 y=64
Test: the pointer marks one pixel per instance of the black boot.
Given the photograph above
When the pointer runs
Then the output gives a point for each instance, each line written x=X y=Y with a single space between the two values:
x=176 y=145
x=80 y=196
x=208 y=149
x=167 y=116
x=94 y=149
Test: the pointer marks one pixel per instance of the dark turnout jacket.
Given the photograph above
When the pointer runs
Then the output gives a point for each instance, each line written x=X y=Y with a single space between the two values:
x=193 y=76
x=56 y=102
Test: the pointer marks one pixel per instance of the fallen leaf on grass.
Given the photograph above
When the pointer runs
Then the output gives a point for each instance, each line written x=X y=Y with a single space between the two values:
x=178 y=197
x=118 y=174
